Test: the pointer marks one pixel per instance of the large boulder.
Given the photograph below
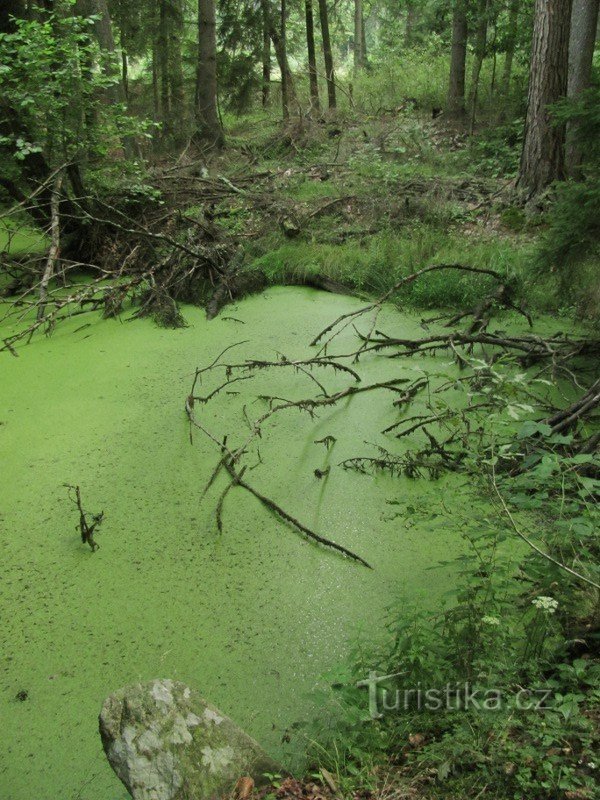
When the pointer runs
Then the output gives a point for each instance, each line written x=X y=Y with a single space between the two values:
x=165 y=742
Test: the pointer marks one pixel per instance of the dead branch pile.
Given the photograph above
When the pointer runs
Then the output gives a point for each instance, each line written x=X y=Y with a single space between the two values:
x=444 y=433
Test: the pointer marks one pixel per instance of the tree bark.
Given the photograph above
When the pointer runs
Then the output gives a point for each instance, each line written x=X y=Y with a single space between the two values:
x=266 y=54
x=479 y=55
x=162 y=52
x=207 y=114
x=542 y=159
x=312 y=57
x=511 y=40
x=175 y=66
x=103 y=31
x=358 y=35
x=327 y=54
x=54 y=251
x=282 y=62
x=285 y=74
x=460 y=32
x=584 y=23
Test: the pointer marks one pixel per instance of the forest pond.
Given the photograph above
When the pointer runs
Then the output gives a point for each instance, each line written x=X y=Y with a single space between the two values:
x=253 y=617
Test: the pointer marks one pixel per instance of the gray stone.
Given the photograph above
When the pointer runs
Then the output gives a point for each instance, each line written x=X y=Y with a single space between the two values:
x=165 y=742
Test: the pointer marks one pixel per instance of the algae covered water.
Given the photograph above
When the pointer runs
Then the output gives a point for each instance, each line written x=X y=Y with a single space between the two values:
x=252 y=617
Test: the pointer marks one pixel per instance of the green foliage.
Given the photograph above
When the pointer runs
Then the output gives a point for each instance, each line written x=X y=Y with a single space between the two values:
x=497 y=149
x=52 y=78
x=573 y=223
x=378 y=263
x=508 y=636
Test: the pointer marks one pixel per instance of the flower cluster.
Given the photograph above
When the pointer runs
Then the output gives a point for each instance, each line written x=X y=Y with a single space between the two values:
x=547 y=604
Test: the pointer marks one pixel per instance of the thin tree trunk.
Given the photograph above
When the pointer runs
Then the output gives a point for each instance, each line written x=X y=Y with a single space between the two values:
x=207 y=115
x=54 y=243
x=266 y=54
x=175 y=66
x=312 y=56
x=327 y=55
x=460 y=32
x=542 y=159
x=285 y=102
x=511 y=40
x=584 y=23
x=125 y=73
x=479 y=55
x=358 y=35
x=283 y=64
x=155 y=92
x=363 y=42
x=162 y=50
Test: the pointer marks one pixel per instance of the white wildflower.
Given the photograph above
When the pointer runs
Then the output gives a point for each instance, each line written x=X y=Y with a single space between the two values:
x=547 y=604
x=490 y=620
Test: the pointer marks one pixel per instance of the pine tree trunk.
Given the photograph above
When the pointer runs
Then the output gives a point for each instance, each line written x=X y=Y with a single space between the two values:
x=207 y=114
x=162 y=51
x=511 y=40
x=104 y=35
x=312 y=56
x=460 y=32
x=327 y=54
x=584 y=23
x=266 y=54
x=479 y=55
x=285 y=89
x=282 y=62
x=358 y=35
x=542 y=159
x=175 y=66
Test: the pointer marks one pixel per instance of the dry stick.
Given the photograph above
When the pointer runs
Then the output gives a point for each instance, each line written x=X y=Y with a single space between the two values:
x=531 y=544
x=54 y=243
x=228 y=459
x=404 y=281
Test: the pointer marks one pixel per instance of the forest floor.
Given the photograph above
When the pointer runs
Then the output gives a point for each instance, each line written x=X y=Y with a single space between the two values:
x=362 y=202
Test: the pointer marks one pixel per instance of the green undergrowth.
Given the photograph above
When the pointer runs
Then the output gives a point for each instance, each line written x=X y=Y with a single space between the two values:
x=497 y=693
x=376 y=264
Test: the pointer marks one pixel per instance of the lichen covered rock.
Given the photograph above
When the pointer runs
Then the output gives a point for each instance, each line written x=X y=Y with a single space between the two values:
x=165 y=742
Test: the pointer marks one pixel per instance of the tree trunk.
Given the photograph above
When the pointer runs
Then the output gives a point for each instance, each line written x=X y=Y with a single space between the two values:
x=282 y=62
x=511 y=40
x=207 y=114
x=266 y=54
x=312 y=57
x=363 y=42
x=103 y=31
x=358 y=35
x=584 y=22
x=175 y=66
x=162 y=51
x=479 y=55
x=542 y=159
x=125 y=73
x=54 y=251
x=285 y=100
x=460 y=32
x=327 y=55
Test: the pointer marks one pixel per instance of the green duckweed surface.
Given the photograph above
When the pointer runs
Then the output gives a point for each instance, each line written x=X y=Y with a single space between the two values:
x=253 y=617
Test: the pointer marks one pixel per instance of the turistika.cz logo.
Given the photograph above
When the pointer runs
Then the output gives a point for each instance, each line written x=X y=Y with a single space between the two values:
x=449 y=697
